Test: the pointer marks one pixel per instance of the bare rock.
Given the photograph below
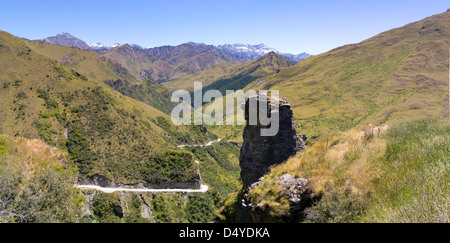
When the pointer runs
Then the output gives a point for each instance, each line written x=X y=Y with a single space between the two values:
x=259 y=153
x=298 y=192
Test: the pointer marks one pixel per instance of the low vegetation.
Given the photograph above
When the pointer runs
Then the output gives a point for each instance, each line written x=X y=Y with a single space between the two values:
x=401 y=175
x=36 y=186
x=64 y=101
x=219 y=167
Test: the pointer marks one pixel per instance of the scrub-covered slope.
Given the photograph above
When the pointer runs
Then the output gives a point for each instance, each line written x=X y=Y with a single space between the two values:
x=103 y=131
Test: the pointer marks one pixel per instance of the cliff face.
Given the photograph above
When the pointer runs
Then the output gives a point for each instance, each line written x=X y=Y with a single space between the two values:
x=258 y=152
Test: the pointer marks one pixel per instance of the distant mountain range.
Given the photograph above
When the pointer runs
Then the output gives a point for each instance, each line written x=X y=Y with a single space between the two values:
x=254 y=52
x=233 y=76
x=242 y=51
x=167 y=63
x=99 y=46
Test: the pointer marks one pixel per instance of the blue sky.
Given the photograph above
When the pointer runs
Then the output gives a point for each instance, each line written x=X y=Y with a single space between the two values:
x=289 y=26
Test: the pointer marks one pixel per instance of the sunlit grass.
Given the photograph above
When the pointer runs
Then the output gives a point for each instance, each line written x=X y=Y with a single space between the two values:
x=401 y=175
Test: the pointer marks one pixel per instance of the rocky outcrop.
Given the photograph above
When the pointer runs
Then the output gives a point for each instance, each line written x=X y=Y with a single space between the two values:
x=298 y=192
x=98 y=180
x=259 y=153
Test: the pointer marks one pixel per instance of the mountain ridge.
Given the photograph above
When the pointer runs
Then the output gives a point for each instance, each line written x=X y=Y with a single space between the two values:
x=232 y=77
x=243 y=51
x=166 y=63
x=399 y=74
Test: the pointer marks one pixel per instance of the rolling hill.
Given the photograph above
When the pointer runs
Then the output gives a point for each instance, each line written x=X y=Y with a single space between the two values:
x=399 y=75
x=104 y=132
x=91 y=65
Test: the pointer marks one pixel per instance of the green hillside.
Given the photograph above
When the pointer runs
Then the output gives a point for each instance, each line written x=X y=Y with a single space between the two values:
x=400 y=175
x=92 y=65
x=401 y=74
x=358 y=172
x=104 y=132
x=398 y=75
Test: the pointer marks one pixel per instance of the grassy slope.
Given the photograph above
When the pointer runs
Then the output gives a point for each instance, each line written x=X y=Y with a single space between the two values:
x=401 y=74
x=86 y=62
x=207 y=76
x=398 y=75
x=41 y=98
x=401 y=175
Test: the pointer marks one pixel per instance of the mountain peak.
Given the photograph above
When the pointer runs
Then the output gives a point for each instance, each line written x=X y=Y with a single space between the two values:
x=66 y=39
x=65 y=35
x=275 y=60
x=254 y=52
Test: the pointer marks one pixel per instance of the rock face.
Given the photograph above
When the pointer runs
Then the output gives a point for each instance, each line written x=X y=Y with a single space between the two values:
x=298 y=192
x=258 y=153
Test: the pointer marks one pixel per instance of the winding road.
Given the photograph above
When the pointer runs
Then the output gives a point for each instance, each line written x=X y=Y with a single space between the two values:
x=205 y=145
x=203 y=188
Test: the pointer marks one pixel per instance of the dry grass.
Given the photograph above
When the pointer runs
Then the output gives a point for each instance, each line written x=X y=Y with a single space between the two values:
x=38 y=155
x=34 y=154
x=398 y=175
x=342 y=158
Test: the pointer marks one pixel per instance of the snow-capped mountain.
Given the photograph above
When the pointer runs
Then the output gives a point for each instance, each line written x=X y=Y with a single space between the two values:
x=66 y=39
x=253 y=52
x=242 y=51
x=247 y=51
x=295 y=58
x=99 y=46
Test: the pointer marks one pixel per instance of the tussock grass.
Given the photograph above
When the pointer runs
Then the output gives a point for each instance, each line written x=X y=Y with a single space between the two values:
x=416 y=175
x=401 y=175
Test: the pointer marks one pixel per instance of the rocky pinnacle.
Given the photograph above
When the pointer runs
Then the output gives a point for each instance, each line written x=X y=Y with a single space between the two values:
x=259 y=153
